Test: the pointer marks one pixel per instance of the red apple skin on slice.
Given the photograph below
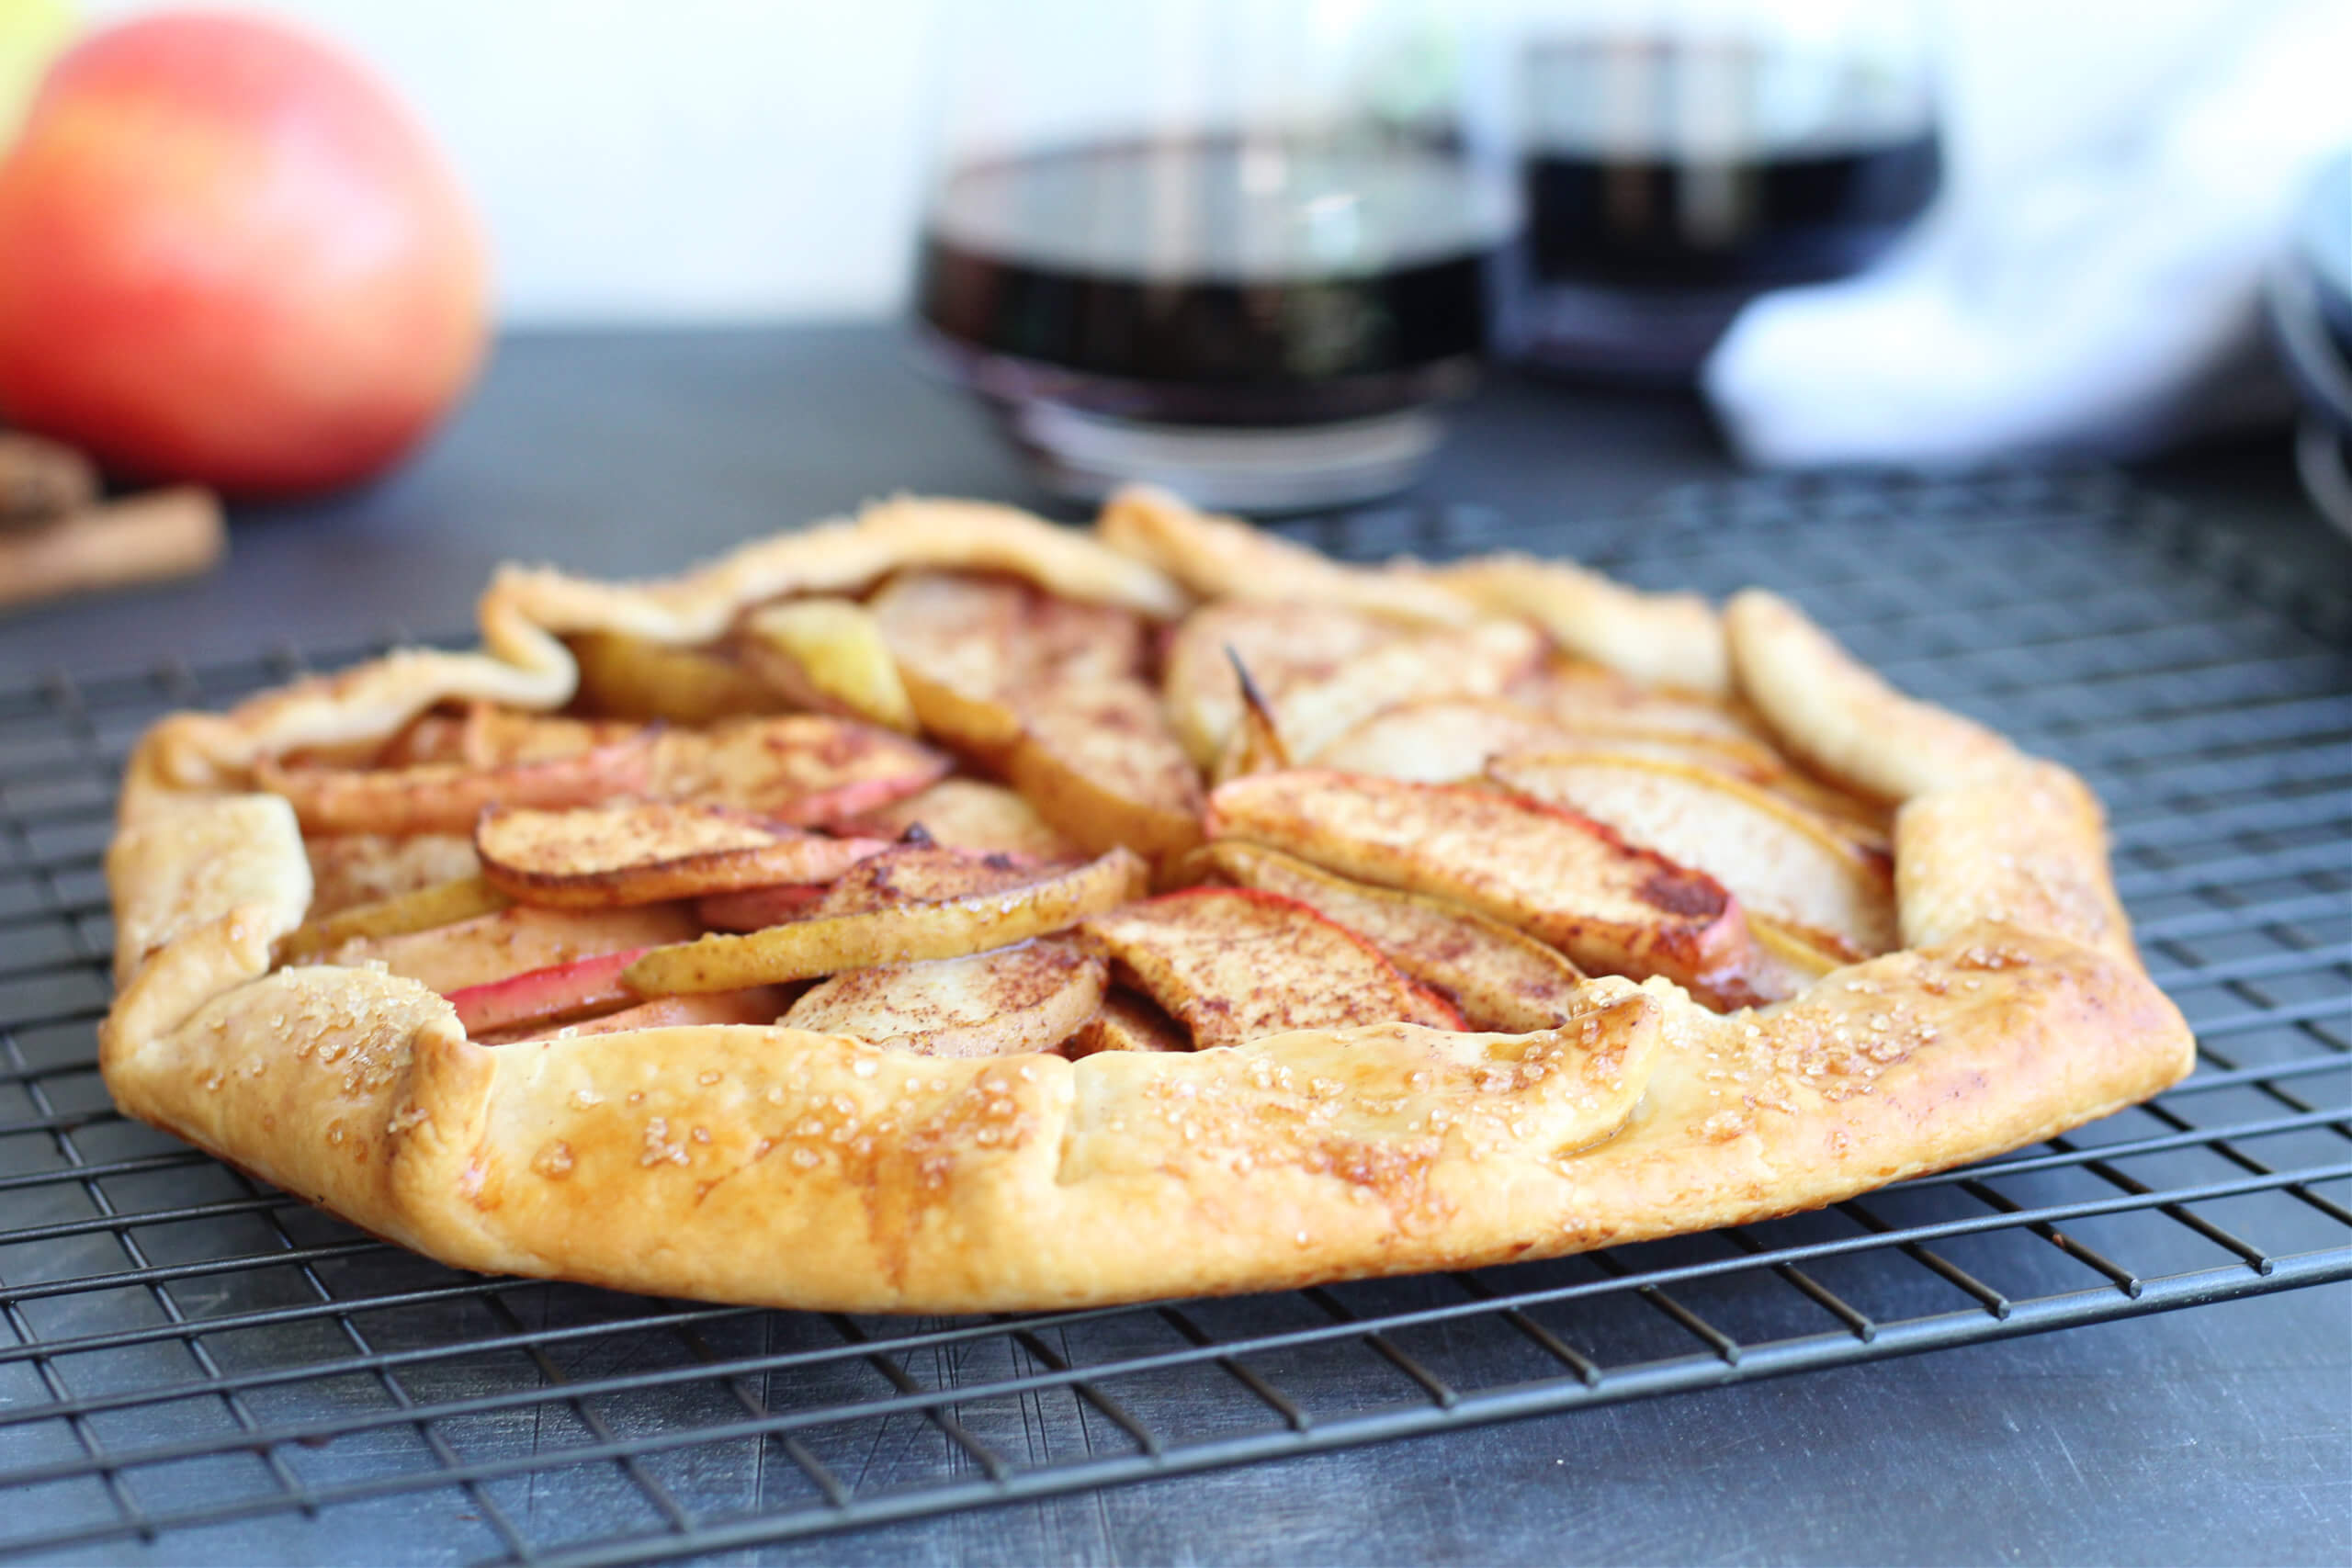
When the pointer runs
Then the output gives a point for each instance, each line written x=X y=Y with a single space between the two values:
x=753 y=1005
x=1610 y=907
x=756 y=908
x=560 y=991
x=1234 y=963
x=491 y=947
x=446 y=797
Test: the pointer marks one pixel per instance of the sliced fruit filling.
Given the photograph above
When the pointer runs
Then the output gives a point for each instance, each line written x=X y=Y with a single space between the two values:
x=926 y=801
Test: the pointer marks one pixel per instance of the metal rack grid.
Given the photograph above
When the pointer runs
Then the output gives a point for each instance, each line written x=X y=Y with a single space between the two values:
x=189 y=1352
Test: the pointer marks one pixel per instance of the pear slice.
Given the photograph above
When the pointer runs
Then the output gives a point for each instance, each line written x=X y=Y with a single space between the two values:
x=512 y=942
x=1441 y=739
x=1781 y=861
x=976 y=652
x=1322 y=670
x=828 y=654
x=809 y=770
x=972 y=816
x=1014 y=1000
x=880 y=914
x=1101 y=767
x=625 y=676
x=422 y=908
x=648 y=851
x=1563 y=879
x=1233 y=964
x=1129 y=1021
x=1498 y=978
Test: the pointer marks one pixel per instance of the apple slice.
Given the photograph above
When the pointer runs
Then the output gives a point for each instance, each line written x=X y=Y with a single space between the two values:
x=446 y=797
x=443 y=904
x=347 y=869
x=1440 y=740
x=1130 y=1022
x=864 y=920
x=977 y=654
x=755 y=1005
x=1500 y=979
x=972 y=817
x=927 y=873
x=625 y=676
x=491 y=947
x=535 y=996
x=1563 y=879
x=1100 y=763
x=1585 y=697
x=1012 y=1000
x=1779 y=861
x=756 y=908
x=828 y=654
x=649 y=851
x=811 y=770
x=1324 y=670
x=1233 y=964
x=490 y=735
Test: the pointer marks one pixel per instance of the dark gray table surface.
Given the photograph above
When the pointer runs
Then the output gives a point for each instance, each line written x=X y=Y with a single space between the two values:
x=2218 y=1435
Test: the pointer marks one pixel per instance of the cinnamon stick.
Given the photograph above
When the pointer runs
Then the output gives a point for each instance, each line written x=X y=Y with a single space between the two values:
x=141 y=538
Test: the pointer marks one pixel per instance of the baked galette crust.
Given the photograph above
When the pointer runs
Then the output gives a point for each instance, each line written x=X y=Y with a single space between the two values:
x=764 y=1164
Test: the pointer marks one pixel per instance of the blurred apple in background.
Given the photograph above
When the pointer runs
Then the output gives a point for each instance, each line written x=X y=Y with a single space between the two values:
x=227 y=254
x=31 y=32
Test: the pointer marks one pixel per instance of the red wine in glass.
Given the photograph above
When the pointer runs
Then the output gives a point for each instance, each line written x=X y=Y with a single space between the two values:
x=1666 y=182
x=1265 y=323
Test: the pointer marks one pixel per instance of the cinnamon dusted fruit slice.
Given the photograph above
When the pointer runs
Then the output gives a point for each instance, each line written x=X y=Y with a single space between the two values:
x=513 y=942
x=811 y=770
x=971 y=815
x=1129 y=1021
x=1323 y=669
x=625 y=676
x=1781 y=860
x=1563 y=879
x=896 y=908
x=978 y=653
x=446 y=797
x=650 y=851
x=444 y=903
x=1440 y=740
x=1233 y=964
x=1500 y=979
x=758 y=1004
x=828 y=654
x=1050 y=693
x=1014 y=1000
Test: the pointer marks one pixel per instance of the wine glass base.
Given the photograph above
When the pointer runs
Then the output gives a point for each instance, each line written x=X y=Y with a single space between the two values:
x=1085 y=456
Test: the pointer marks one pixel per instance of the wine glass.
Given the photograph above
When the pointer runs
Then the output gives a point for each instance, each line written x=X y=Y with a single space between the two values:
x=1241 y=248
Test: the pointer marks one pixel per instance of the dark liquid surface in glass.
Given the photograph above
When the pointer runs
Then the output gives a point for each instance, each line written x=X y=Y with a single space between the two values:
x=1217 y=279
x=1675 y=165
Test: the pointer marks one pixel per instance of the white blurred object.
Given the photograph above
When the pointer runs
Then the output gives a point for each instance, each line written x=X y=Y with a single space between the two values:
x=2095 y=289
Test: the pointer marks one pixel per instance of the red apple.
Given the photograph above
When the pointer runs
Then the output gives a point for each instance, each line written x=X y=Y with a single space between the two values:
x=226 y=254
x=551 y=992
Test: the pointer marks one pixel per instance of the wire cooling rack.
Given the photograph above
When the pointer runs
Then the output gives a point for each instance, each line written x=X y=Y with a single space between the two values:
x=189 y=1349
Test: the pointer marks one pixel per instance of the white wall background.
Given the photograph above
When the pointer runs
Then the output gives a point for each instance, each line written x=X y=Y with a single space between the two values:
x=758 y=158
